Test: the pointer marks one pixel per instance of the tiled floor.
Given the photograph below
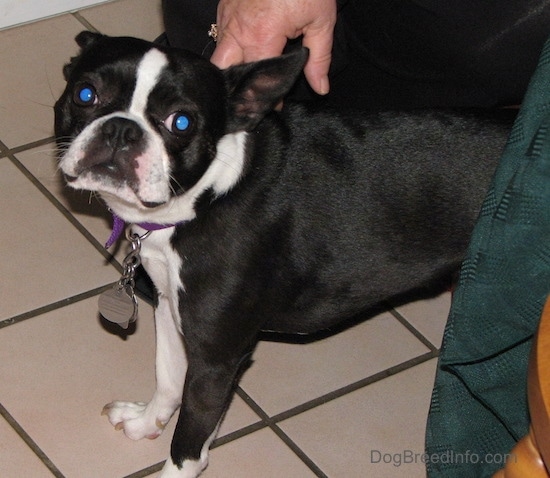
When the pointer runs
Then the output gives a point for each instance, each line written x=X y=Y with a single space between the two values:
x=335 y=408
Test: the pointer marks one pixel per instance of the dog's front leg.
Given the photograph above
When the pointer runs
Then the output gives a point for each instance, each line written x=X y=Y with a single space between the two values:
x=147 y=420
x=208 y=390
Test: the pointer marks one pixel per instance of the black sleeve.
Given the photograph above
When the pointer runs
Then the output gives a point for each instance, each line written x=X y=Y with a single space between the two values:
x=187 y=23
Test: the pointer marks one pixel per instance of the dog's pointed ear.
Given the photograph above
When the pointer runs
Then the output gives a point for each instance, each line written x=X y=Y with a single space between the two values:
x=256 y=88
x=84 y=40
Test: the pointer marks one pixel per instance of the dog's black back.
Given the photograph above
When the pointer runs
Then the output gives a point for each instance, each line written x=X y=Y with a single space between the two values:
x=338 y=212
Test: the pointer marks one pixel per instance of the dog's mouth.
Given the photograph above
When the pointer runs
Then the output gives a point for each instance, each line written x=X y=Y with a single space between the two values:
x=138 y=179
x=103 y=179
x=152 y=204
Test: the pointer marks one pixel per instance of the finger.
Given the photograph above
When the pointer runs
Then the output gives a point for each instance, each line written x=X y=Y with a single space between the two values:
x=228 y=52
x=318 y=64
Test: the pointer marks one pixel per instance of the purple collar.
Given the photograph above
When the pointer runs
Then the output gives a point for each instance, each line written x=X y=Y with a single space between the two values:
x=119 y=225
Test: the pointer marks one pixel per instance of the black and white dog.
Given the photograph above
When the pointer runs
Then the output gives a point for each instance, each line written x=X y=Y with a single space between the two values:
x=290 y=221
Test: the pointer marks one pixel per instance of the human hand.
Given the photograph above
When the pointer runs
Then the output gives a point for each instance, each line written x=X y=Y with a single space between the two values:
x=251 y=30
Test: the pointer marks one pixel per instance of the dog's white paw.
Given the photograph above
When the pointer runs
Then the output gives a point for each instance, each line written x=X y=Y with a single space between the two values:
x=189 y=469
x=135 y=418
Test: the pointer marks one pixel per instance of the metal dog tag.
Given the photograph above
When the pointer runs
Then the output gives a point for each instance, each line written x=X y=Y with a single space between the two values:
x=119 y=305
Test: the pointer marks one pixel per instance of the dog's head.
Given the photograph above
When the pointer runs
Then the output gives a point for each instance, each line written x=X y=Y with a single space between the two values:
x=146 y=126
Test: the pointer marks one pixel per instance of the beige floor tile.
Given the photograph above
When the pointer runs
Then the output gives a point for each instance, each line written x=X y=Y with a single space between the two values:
x=32 y=78
x=285 y=375
x=44 y=258
x=139 y=18
x=373 y=432
x=429 y=316
x=16 y=458
x=58 y=370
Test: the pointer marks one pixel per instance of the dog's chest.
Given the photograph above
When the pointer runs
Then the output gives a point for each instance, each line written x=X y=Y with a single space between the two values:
x=162 y=262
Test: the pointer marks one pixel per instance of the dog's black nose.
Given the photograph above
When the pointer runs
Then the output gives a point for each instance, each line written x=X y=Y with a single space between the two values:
x=121 y=133
x=114 y=148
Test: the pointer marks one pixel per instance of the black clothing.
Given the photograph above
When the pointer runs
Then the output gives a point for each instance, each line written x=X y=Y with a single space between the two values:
x=392 y=54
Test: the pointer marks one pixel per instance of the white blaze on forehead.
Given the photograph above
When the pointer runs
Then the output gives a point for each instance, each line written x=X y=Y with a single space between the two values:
x=149 y=69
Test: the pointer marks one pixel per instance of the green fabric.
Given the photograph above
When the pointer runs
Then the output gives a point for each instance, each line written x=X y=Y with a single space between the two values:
x=479 y=402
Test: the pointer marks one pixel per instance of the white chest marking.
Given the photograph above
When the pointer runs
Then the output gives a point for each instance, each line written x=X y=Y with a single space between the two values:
x=162 y=262
x=224 y=173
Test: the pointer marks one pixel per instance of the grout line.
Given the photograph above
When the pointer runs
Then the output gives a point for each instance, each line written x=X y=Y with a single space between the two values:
x=240 y=433
x=147 y=471
x=298 y=452
x=78 y=16
x=252 y=404
x=53 y=306
x=30 y=442
x=328 y=397
x=280 y=433
x=34 y=144
x=413 y=330
x=6 y=151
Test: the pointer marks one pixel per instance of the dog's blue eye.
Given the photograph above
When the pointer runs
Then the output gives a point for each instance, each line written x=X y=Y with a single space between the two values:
x=85 y=96
x=181 y=122
x=178 y=123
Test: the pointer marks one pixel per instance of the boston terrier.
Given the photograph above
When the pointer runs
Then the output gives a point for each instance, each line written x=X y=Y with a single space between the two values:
x=288 y=221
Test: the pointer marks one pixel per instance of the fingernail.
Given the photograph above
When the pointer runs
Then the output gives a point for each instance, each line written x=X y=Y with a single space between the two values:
x=324 y=86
